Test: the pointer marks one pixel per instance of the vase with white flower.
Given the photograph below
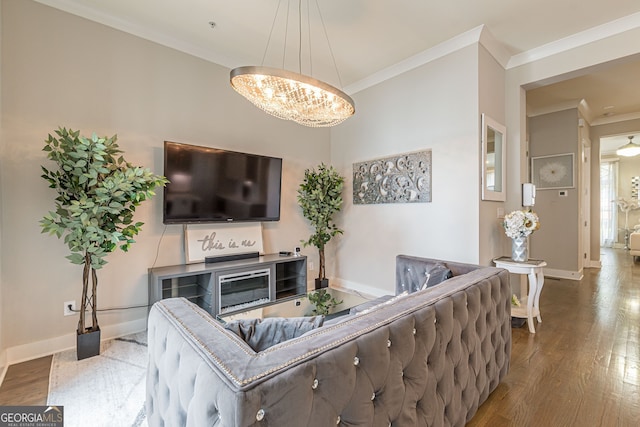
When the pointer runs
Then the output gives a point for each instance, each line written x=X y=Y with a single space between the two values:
x=518 y=225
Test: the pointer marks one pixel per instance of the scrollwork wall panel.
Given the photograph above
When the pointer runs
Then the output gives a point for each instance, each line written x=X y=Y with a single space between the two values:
x=404 y=178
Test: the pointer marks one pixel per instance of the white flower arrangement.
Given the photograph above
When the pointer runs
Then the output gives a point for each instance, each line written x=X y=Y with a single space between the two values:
x=520 y=223
x=515 y=302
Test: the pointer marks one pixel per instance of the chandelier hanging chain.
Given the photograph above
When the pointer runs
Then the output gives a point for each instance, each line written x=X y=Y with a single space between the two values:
x=309 y=41
x=286 y=35
x=289 y=95
x=273 y=25
x=333 y=58
x=300 y=36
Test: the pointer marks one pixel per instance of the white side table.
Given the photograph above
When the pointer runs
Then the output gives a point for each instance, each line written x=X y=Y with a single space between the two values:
x=530 y=305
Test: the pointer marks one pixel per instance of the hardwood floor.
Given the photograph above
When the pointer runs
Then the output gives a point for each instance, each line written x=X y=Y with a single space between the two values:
x=26 y=383
x=580 y=368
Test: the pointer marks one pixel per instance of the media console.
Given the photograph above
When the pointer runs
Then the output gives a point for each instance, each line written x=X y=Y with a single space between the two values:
x=231 y=286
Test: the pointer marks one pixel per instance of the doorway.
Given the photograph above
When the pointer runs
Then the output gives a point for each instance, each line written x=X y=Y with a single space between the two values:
x=619 y=195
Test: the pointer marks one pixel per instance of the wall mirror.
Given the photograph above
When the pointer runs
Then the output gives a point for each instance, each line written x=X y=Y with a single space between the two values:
x=493 y=160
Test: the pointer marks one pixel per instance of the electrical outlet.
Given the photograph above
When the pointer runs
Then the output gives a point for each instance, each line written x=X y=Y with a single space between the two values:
x=311 y=266
x=68 y=312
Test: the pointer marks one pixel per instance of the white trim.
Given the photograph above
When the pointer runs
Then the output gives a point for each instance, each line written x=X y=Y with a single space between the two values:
x=615 y=119
x=445 y=48
x=360 y=288
x=579 y=104
x=573 y=41
x=147 y=33
x=34 y=350
x=479 y=34
x=495 y=47
x=594 y=264
x=563 y=274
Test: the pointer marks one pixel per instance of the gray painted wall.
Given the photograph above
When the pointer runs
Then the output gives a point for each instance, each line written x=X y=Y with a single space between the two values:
x=62 y=70
x=557 y=241
x=434 y=106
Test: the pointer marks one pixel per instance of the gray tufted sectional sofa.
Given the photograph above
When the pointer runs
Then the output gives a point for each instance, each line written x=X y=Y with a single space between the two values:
x=426 y=359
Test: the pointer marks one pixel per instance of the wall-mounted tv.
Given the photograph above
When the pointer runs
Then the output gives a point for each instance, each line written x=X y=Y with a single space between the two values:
x=213 y=185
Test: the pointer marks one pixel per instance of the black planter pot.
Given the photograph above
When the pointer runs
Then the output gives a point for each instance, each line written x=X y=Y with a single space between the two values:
x=322 y=283
x=88 y=344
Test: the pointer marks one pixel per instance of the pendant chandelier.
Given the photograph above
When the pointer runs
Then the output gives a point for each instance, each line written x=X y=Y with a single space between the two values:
x=292 y=95
x=629 y=150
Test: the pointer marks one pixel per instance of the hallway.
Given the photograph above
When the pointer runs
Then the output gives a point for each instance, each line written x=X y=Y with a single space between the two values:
x=582 y=367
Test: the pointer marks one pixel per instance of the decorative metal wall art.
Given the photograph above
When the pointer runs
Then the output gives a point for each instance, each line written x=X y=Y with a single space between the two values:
x=635 y=180
x=404 y=178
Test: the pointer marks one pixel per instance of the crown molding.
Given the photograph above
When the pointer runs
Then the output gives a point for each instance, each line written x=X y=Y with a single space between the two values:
x=449 y=46
x=567 y=105
x=479 y=34
x=615 y=119
x=495 y=47
x=144 y=32
x=579 y=104
x=612 y=28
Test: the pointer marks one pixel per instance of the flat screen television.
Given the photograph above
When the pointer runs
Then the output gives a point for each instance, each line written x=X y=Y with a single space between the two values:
x=213 y=185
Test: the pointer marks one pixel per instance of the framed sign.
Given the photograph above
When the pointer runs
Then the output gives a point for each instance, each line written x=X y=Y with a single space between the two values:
x=203 y=240
x=551 y=172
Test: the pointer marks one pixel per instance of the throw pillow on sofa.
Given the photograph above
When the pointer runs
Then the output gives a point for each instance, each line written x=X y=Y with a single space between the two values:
x=437 y=274
x=261 y=334
x=418 y=276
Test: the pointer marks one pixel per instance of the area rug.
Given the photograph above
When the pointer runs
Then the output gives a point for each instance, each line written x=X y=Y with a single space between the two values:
x=104 y=390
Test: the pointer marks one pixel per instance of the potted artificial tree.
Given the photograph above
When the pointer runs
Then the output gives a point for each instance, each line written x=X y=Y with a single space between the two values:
x=98 y=192
x=320 y=197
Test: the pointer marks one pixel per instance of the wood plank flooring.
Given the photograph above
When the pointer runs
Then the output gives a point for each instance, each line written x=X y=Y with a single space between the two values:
x=580 y=368
x=26 y=383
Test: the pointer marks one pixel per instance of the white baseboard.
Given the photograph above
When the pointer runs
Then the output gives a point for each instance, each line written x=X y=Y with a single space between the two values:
x=359 y=287
x=563 y=274
x=594 y=264
x=30 y=351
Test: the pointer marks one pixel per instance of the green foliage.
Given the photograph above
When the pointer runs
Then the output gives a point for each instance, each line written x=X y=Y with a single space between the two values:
x=322 y=301
x=98 y=192
x=320 y=197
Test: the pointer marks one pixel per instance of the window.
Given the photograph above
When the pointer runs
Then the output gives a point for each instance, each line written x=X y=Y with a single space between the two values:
x=608 y=207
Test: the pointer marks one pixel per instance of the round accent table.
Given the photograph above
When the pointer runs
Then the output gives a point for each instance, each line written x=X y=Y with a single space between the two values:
x=530 y=305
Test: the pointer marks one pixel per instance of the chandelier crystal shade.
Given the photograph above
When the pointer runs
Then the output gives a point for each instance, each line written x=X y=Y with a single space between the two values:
x=292 y=96
x=629 y=150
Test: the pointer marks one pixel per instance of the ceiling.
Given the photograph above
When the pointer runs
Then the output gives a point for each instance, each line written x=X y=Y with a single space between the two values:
x=369 y=36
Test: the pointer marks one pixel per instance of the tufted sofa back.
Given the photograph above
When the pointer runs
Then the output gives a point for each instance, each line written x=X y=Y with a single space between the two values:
x=427 y=359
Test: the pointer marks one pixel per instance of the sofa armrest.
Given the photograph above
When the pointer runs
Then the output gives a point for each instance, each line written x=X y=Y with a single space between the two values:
x=430 y=358
x=411 y=271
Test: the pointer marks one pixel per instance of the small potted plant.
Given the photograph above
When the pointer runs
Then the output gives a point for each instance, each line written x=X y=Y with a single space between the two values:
x=322 y=301
x=320 y=197
x=98 y=192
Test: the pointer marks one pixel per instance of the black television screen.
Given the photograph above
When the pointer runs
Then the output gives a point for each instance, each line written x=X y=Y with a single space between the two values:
x=213 y=185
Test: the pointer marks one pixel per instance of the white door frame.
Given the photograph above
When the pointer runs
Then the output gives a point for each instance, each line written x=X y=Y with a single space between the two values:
x=585 y=205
